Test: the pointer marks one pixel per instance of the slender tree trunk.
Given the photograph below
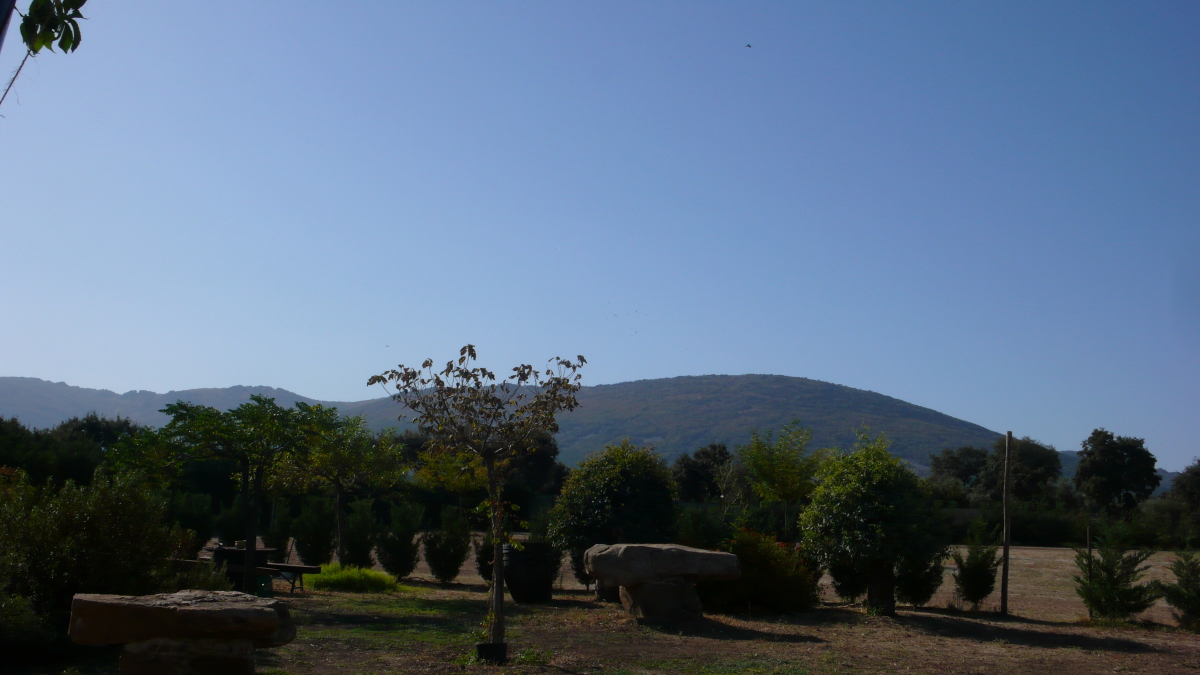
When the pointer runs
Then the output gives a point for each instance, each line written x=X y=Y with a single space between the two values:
x=340 y=505
x=252 y=485
x=496 y=630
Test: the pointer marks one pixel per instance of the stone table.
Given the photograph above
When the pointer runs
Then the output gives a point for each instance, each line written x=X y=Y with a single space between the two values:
x=657 y=581
x=189 y=632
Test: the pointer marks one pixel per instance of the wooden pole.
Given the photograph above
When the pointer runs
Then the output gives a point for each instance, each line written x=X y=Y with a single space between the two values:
x=1007 y=526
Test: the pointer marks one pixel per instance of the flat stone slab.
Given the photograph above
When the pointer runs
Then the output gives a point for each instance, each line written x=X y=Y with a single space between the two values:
x=187 y=615
x=633 y=564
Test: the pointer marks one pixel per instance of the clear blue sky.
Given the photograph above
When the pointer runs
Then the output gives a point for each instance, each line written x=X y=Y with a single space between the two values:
x=989 y=209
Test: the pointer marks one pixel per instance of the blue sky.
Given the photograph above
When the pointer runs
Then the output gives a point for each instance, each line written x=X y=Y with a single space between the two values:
x=988 y=209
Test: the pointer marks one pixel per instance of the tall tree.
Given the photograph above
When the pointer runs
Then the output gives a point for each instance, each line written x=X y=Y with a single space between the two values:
x=468 y=413
x=258 y=436
x=781 y=469
x=342 y=455
x=1115 y=472
x=698 y=474
x=964 y=464
x=1034 y=469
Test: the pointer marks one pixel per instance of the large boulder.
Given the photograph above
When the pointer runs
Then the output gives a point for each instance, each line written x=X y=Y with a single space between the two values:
x=196 y=615
x=192 y=632
x=657 y=581
x=628 y=564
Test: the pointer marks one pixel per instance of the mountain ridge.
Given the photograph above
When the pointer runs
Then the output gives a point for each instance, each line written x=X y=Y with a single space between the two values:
x=675 y=414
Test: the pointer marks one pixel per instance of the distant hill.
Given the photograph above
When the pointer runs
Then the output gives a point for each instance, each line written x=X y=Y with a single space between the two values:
x=40 y=404
x=675 y=415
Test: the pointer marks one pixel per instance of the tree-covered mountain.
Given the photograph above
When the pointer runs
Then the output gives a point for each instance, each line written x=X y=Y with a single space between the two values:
x=675 y=415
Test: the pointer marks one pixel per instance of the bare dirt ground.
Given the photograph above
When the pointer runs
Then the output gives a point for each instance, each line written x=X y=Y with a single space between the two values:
x=428 y=628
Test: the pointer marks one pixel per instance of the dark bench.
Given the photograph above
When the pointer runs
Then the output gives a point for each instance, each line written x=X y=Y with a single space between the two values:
x=293 y=574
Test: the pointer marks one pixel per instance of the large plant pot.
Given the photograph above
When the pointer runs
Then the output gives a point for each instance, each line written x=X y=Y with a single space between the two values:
x=529 y=574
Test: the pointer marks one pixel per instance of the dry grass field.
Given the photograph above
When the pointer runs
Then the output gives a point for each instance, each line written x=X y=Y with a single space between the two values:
x=428 y=628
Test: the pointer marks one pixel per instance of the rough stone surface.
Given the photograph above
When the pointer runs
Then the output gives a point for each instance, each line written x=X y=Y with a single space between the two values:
x=188 y=657
x=668 y=600
x=186 y=615
x=631 y=564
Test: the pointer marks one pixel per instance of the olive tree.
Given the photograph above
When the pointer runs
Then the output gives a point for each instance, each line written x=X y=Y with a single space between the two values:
x=469 y=414
x=871 y=519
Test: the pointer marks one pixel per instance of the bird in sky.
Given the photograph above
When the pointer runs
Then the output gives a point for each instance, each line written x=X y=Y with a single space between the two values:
x=749 y=47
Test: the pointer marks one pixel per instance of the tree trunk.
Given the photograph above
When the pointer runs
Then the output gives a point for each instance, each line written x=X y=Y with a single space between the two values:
x=496 y=629
x=340 y=505
x=881 y=590
x=251 y=493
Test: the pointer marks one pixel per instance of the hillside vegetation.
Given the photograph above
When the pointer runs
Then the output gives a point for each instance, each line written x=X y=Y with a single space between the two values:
x=675 y=415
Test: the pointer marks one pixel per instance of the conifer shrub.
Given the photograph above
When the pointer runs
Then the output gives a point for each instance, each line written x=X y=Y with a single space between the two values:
x=774 y=578
x=485 y=553
x=975 y=578
x=447 y=549
x=1109 y=588
x=396 y=545
x=315 y=531
x=918 y=579
x=1184 y=595
x=360 y=535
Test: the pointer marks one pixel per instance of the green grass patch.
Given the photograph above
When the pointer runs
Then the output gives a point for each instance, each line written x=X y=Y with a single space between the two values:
x=352 y=580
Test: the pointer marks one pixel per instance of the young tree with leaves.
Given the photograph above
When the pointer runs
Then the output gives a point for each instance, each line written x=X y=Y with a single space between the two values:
x=465 y=409
x=781 y=469
x=44 y=24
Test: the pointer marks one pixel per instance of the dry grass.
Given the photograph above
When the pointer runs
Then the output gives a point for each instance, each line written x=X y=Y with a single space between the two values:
x=428 y=628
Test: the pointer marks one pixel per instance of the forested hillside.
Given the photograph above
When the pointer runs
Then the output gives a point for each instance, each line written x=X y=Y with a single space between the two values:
x=675 y=414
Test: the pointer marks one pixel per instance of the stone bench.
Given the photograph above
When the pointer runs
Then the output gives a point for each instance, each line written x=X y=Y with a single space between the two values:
x=657 y=581
x=193 y=632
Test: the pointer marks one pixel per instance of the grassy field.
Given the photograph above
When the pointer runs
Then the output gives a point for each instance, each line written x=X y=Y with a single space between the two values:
x=427 y=628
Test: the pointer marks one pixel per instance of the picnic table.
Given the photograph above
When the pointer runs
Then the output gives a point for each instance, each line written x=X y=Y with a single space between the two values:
x=293 y=574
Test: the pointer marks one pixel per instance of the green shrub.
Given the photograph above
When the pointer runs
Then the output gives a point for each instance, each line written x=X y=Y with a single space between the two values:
x=622 y=494
x=360 y=535
x=396 y=544
x=315 y=531
x=702 y=528
x=848 y=582
x=975 y=578
x=485 y=554
x=335 y=577
x=230 y=523
x=1110 y=590
x=1184 y=595
x=447 y=549
x=106 y=538
x=21 y=629
x=774 y=577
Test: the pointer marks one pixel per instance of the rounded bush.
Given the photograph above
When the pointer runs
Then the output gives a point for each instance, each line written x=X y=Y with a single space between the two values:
x=774 y=578
x=622 y=494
